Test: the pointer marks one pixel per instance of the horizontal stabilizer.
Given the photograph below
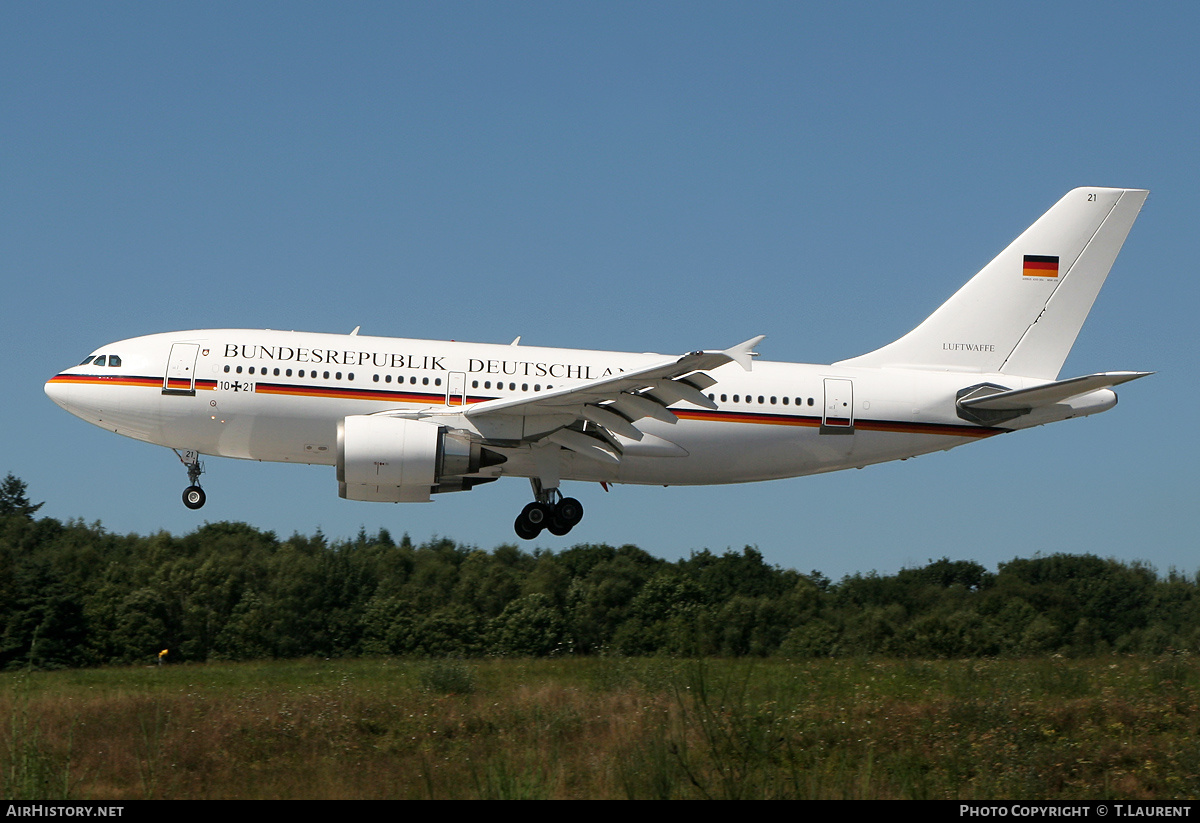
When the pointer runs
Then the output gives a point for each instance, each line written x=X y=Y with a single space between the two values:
x=1050 y=393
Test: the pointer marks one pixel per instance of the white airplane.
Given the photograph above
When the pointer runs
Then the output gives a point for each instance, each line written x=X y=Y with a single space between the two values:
x=404 y=419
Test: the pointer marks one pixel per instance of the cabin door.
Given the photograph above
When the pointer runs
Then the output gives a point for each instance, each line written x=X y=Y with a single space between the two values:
x=181 y=369
x=838 y=415
x=456 y=389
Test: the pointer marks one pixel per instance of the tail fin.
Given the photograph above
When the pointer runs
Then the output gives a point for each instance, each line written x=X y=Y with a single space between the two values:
x=1022 y=312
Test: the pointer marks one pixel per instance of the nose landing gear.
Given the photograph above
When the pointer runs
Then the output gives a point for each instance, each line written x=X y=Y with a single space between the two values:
x=550 y=511
x=193 y=495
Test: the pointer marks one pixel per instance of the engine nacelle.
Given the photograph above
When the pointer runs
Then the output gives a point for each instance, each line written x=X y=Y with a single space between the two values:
x=397 y=460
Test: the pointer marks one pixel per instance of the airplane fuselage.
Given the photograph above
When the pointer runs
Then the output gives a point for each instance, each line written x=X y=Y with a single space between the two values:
x=278 y=396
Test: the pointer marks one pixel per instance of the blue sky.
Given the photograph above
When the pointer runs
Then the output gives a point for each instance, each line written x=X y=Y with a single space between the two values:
x=644 y=177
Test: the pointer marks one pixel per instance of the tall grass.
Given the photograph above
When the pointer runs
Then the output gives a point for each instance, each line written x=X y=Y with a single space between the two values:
x=607 y=728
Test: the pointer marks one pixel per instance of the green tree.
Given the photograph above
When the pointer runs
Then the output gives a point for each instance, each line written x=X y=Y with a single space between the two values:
x=531 y=626
x=13 y=499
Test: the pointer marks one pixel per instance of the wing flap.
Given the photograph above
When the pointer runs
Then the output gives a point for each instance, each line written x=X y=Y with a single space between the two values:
x=612 y=420
x=675 y=391
x=637 y=406
x=584 y=445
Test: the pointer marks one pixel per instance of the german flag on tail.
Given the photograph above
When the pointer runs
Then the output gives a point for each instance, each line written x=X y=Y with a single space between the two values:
x=1040 y=265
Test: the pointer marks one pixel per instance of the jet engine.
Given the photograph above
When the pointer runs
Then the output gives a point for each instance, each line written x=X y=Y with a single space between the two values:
x=395 y=459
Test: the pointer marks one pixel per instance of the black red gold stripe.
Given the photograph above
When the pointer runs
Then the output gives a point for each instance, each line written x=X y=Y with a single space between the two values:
x=1040 y=265
x=346 y=393
x=130 y=380
x=108 y=380
x=894 y=426
x=438 y=398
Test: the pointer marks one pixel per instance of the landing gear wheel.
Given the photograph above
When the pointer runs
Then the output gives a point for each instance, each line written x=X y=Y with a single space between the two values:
x=537 y=514
x=532 y=519
x=524 y=529
x=569 y=511
x=193 y=497
x=567 y=514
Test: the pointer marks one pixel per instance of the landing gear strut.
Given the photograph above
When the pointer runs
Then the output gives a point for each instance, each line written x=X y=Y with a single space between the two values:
x=549 y=511
x=193 y=495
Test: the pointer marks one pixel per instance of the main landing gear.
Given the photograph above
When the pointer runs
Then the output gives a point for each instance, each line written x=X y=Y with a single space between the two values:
x=550 y=511
x=193 y=495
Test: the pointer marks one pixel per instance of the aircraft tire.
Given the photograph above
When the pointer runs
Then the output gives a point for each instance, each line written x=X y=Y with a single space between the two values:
x=537 y=515
x=569 y=512
x=193 y=497
x=524 y=529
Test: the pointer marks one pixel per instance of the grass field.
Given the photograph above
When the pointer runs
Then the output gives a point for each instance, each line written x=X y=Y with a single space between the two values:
x=1106 y=728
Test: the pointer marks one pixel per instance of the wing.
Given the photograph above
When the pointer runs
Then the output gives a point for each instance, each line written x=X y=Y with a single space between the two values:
x=589 y=419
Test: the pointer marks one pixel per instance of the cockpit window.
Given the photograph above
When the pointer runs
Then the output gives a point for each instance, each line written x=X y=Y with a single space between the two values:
x=99 y=361
x=114 y=360
x=87 y=360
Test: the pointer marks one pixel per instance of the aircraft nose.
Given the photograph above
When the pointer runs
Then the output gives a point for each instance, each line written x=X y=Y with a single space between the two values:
x=53 y=390
x=58 y=390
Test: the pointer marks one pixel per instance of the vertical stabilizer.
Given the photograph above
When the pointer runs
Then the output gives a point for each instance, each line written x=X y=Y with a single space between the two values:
x=1022 y=312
